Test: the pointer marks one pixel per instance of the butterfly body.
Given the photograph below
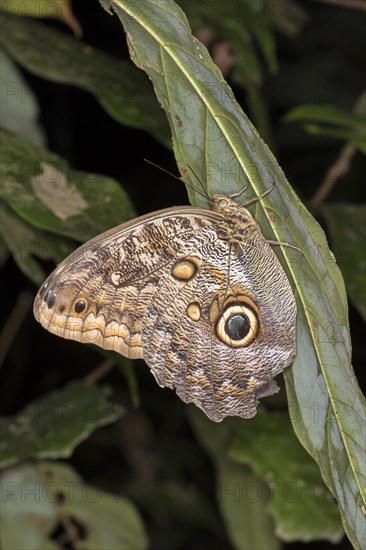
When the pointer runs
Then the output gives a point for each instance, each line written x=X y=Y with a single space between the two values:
x=199 y=294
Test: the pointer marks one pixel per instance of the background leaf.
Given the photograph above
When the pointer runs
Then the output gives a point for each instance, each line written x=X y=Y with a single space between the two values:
x=46 y=192
x=57 y=9
x=324 y=113
x=302 y=507
x=119 y=88
x=59 y=508
x=20 y=117
x=26 y=243
x=347 y=228
x=52 y=426
x=351 y=125
x=240 y=494
x=346 y=135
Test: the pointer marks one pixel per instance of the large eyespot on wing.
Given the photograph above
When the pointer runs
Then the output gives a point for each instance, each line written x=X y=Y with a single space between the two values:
x=99 y=294
x=237 y=323
x=265 y=345
x=222 y=334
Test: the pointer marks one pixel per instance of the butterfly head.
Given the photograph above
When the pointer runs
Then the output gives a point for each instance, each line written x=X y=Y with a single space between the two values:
x=238 y=219
x=226 y=205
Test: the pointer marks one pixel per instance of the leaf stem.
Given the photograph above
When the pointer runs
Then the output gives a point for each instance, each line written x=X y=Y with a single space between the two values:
x=337 y=170
x=102 y=369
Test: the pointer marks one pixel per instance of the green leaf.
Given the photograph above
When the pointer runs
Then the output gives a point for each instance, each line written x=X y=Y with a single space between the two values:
x=120 y=89
x=52 y=426
x=57 y=9
x=351 y=136
x=25 y=243
x=47 y=506
x=45 y=191
x=17 y=114
x=241 y=496
x=302 y=507
x=347 y=228
x=213 y=139
x=239 y=24
x=324 y=113
x=352 y=125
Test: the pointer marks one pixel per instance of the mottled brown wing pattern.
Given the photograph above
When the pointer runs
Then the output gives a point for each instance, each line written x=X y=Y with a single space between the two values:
x=180 y=336
x=99 y=294
x=198 y=293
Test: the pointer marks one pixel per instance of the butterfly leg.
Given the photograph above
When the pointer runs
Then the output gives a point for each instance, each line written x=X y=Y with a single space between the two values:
x=280 y=243
x=255 y=199
x=235 y=195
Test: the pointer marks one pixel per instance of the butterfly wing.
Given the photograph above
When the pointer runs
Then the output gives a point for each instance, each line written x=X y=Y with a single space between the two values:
x=189 y=342
x=99 y=293
x=212 y=318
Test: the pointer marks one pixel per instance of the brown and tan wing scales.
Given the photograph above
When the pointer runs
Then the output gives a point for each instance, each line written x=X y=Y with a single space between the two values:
x=199 y=294
x=183 y=344
x=100 y=292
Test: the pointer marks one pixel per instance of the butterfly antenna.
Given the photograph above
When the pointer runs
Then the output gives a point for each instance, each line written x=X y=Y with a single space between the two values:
x=205 y=194
x=179 y=179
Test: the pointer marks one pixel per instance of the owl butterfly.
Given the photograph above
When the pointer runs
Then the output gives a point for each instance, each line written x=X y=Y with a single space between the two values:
x=198 y=293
